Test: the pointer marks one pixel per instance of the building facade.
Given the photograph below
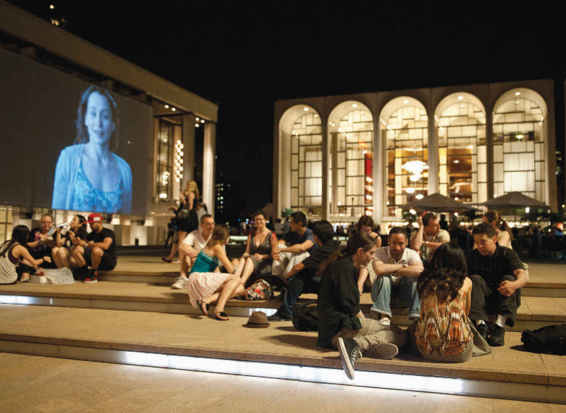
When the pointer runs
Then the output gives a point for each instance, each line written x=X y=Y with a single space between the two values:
x=340 y=157
x=181 y=126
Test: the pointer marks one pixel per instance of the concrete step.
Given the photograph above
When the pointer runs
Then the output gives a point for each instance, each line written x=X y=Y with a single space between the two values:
x=534 y=312
x=278 y=351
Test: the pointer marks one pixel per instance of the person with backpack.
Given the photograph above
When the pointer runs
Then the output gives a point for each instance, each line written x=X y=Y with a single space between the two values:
x=16 y=263
x=444 y=331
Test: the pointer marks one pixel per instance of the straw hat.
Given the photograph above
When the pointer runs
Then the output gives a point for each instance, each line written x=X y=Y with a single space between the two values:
x=258 y=319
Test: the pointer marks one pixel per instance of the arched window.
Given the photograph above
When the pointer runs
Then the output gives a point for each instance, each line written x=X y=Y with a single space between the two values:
x=404 y=131
x=351 y=160
x=460 y=125
x=518 y=143
x=306 y=163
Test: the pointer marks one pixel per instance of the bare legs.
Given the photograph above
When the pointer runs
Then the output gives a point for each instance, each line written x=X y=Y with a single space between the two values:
x=60 y=256
x=228 y=289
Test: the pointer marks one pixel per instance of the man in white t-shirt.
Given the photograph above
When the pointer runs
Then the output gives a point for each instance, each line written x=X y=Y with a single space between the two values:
x=191 y=246
x=396 y=267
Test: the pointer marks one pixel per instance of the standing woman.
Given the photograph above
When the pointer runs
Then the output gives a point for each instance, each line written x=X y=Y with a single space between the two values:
x=89 y=176
x=206 y=283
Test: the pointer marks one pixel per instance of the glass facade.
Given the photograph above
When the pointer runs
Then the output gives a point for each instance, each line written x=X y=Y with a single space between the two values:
x=306 y=163
x=405 y=133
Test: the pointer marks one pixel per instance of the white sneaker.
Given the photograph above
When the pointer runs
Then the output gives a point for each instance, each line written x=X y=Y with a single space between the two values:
x=180 y=283
x=385 y=321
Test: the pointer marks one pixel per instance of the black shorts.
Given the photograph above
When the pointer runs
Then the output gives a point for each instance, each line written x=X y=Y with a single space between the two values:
x=107 y=263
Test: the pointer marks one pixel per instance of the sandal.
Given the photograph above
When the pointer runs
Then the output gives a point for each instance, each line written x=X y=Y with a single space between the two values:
x=203 y=307
x=222 y=316
x=166 y=260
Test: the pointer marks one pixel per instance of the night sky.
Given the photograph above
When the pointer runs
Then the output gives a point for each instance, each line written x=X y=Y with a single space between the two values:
x=244 y=55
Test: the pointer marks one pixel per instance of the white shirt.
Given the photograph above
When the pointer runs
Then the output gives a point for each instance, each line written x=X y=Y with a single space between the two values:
x=409 y=257
x=196 y=240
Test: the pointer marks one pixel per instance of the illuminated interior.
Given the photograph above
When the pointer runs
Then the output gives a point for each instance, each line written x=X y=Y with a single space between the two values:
x=404 y=129
x=518 y=144
x=460 y=125
x=351 y=160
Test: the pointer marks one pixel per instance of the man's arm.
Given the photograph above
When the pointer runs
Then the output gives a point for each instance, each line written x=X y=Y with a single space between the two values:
x=298 y=248
x=417 y=239
x=508 y=288
x=105 y=244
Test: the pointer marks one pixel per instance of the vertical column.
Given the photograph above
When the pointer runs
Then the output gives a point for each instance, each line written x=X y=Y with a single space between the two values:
x=208 y=166
x=378 y=173
x=189 y=148
x=433 y=160
x=325 y=171
x=489 y=148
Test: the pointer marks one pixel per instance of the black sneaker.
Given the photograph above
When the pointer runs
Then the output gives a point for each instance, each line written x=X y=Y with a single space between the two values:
x=497 y=336
x=278 y=316
x=350 y=353
x=483 y=329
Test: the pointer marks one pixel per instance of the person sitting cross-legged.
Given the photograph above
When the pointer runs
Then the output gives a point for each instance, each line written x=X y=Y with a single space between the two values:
x=190 y=248
x=497 y=276
x=341 y=324
x=98 y=251
x=396 y=270
x=304 y=276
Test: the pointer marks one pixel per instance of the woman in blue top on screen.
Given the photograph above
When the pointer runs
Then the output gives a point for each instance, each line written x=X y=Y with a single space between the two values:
x=89 y=176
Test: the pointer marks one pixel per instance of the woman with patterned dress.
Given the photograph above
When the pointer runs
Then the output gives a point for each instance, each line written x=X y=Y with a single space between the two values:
x=206 y=284
x=444 y=332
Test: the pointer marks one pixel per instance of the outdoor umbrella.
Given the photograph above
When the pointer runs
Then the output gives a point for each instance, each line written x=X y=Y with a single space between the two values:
x=514 y=200
x=438 y=203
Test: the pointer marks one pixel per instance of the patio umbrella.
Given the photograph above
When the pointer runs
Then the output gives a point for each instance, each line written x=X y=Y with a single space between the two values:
x=514 y=200
x=438 y=203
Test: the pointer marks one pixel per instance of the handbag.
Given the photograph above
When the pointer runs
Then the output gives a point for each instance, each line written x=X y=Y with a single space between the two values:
x=259 y=290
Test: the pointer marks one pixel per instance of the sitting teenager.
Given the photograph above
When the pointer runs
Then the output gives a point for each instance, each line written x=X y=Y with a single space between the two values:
x=191 y=246
x=66 y=243
x=504 y=237
x=297 y=244
x=396 y=269
x=341 y=323
x=429 y=236
x=16 y=261
x=444 y=331
x=366 y=224
x=206 y=283
x=97 y=253
x=304 y=277
x=42 y=241
x=261 y=251
x=497 y=276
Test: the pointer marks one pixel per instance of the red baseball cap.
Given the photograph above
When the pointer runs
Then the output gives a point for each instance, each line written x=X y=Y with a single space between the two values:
x=94 y=217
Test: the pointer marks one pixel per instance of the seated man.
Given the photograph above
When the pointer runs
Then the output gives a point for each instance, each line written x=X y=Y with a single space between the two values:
x=497 y=276
x=304 y=276
x=298 y=243
x=98 y=251
x=42 y=241
x=191 y=246
x=429 y=236
x=342 y=324
x=396 y=267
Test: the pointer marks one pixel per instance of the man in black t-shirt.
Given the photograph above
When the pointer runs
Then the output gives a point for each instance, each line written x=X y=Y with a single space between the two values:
x=303 y=276
x=497 y=276
x=98 y=251
x=298 y=245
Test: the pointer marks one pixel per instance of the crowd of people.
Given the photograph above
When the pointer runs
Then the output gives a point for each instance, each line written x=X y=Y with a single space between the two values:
x=70 y=246
x=461 y=291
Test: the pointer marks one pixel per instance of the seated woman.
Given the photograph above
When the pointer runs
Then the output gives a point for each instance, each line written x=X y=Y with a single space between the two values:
x=65 y=244
x=444 y=332
x=17 y=262
x=206 y=284
x=261 y=251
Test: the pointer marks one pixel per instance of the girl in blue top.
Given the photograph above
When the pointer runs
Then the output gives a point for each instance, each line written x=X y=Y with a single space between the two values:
x=206 y=283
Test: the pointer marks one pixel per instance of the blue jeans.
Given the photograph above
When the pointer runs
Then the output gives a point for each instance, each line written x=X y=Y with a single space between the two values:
x=406 y=288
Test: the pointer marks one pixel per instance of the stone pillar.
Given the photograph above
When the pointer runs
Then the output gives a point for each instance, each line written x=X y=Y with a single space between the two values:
x=189 y=149
x=379 y=173
x=489 y=150
x=433 y=160
x=325 y=171
x=208 y=166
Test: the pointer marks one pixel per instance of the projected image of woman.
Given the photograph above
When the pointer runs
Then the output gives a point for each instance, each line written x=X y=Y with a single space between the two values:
x=89 y=176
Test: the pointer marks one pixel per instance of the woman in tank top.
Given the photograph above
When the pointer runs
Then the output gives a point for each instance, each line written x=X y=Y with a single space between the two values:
x=206 y=284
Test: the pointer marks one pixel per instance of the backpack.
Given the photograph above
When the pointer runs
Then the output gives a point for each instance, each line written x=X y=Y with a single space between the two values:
x=550 y=339
x=305 y=317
